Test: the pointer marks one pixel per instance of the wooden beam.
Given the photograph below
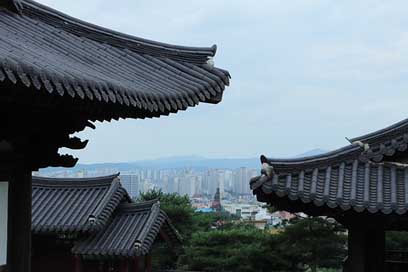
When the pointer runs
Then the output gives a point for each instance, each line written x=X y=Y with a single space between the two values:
x=19 y=221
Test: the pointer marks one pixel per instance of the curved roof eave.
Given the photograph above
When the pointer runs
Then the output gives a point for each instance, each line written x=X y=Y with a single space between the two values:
x=349 y=152
x=115 y=38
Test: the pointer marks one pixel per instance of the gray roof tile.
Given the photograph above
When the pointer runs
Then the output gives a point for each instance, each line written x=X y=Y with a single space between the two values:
x=374 y=187
x=74 y=205
x=131 y=232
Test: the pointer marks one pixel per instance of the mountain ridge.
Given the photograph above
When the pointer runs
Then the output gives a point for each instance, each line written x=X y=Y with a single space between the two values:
x=192 y=161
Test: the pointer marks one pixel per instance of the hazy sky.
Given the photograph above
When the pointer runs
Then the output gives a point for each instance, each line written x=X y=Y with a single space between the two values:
x=305 y=74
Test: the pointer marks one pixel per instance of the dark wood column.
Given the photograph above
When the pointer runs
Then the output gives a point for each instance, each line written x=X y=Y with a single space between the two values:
x=77 y=263
x=148 y=267
x=366 y=250
x=19 y=220
x=136 y=264
x=124 y=265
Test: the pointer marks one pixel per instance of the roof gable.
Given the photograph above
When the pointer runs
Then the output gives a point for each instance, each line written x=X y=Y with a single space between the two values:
x=131 y=232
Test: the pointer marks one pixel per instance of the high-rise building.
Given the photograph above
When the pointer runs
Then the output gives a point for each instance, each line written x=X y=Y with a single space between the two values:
x=241 y=180
x=131 y=183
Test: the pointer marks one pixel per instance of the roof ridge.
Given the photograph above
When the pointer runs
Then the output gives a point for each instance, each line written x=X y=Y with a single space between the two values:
x=170 y=225
x=106 y=201
x=39 y=181
x=390 y=131
x=153 y=215
x=138 y=206
x=115 y=38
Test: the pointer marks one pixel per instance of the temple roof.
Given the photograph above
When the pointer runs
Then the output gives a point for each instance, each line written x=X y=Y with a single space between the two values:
x=74 y=205
x=56 y=55
x=369 y=175
x=385 y=142
x=132 y=232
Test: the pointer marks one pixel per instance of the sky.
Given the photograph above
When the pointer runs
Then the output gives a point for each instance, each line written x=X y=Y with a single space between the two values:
x=305 y=75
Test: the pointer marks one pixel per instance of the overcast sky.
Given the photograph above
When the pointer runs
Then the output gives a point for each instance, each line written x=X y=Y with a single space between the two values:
x=305 y=74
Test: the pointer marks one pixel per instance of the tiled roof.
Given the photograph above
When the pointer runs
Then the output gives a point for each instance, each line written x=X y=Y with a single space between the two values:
x=74 y=205
x=364 y=176
x=385 y=142
x=54 y=54
x=132 y=232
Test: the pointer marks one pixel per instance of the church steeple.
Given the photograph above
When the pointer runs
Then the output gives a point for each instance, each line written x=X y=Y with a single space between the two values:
x=216 y=204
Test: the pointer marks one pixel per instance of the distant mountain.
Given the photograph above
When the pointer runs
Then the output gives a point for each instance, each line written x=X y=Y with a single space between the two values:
x=167 y=163
x=196 y=162
x=312 y=152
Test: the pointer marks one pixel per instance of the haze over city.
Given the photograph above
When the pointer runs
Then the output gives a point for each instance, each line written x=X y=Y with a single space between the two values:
x=286 y=96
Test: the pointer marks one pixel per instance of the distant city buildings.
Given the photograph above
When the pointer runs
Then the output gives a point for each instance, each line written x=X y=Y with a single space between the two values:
x=200 y=184
x=191 y=182
x=245 y=211
x=209 y=189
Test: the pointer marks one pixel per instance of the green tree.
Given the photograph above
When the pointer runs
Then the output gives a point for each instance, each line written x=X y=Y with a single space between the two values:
x=396 y=240
x=178 y=209
x=313 y=242
x=242 y=248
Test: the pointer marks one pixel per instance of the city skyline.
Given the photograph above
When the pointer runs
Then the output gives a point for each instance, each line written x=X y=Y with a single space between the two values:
x=183 y=181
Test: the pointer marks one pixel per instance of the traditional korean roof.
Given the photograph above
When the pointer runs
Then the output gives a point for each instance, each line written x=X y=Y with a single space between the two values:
x=385 y=142
x=74 y=205
x=132 y=232
x=55 y=55
x=366 y=176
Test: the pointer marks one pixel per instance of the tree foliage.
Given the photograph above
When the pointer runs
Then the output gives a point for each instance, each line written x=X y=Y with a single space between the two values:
x=219 y=242
x=396 y=240
x=242 y=248
x=178 y=208
x=314 y=242
x=305 y=244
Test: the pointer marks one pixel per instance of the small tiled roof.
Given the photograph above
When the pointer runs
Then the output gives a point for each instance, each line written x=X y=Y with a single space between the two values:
x=74 y=205
x=132 y=232
x=364 y=176
x=59 y=56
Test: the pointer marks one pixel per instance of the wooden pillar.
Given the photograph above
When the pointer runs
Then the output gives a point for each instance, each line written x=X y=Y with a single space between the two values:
x=124 y=265
x=148 y=266
x=375 y=243
x=136 y=264
x=366 y=250
x=101 y=266
x=77 y=263
x=19 y=221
